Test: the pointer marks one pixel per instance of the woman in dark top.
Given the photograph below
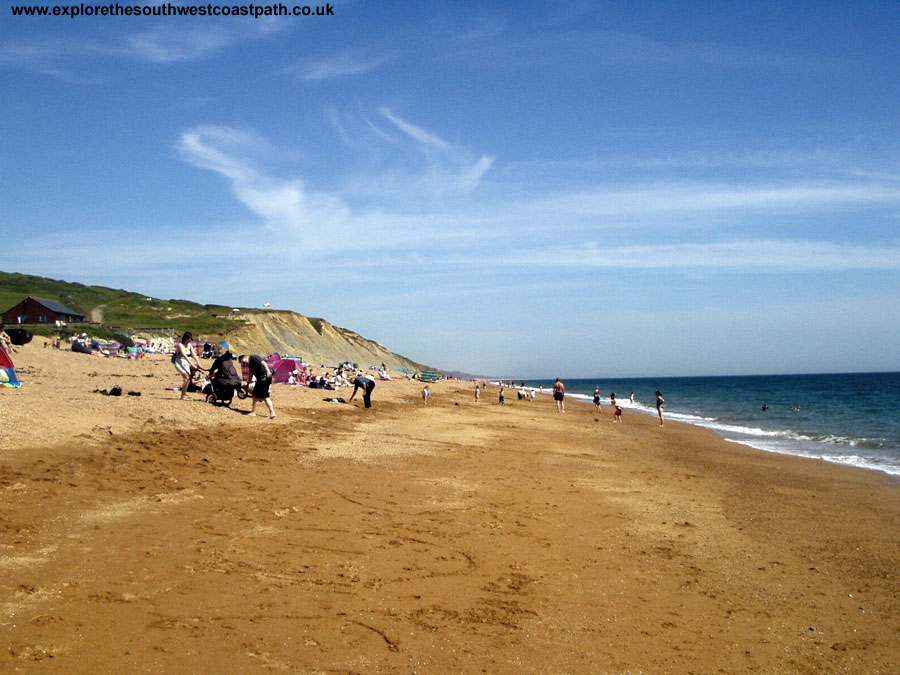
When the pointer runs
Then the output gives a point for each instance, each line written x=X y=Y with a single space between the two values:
x=224 y=377
x=260 y=370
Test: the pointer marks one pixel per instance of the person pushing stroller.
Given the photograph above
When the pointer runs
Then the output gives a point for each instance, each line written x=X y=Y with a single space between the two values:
x=224 y=380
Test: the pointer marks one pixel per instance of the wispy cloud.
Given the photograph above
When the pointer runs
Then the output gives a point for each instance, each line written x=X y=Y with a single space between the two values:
x=70 y=59
x=763 y=255
x=54 y=57
x=425 y=138
x=345 y=64
x=285 y=204
x=314 y=219
x=433 y=166
x=178 y=43
x=550 y=229
x=601 y=48
x=700 y=199
x=167 y=45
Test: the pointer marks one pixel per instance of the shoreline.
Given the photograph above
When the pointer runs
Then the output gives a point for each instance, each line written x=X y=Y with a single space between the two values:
x=783 y=441
x=143 y=533
x=679 y=418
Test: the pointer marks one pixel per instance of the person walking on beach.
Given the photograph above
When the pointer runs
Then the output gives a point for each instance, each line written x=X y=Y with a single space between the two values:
x=425 y=395
x=260 y=370
x=617 y=415
x=367 y=384
x=477 y=393
x=185 y=361
x=559 y=393
x=660 y=404
x=502 y=397
x=597 y=398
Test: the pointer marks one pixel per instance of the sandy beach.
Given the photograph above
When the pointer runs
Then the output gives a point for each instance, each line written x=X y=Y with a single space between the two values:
x=146 y=534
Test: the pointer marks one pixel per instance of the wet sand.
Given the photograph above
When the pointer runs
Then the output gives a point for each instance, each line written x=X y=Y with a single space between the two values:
x=147 y=534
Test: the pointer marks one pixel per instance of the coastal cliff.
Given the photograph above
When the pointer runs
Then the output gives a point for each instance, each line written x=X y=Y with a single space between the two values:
x=116 y=312
x=316 y=340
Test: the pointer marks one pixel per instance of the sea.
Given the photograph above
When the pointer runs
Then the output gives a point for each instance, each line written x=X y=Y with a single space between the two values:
x=848 y=418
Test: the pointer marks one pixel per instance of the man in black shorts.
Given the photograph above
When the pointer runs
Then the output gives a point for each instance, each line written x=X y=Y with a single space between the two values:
x=260 y=370
x=559 y=393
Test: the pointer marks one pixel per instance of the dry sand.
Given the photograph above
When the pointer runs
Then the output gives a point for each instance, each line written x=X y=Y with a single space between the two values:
x=146 y=534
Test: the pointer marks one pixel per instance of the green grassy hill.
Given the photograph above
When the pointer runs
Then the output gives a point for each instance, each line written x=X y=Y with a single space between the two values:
x=115 y=309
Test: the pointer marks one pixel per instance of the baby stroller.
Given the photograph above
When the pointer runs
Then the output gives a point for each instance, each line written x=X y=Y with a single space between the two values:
x=218 y=392
x=224 y=382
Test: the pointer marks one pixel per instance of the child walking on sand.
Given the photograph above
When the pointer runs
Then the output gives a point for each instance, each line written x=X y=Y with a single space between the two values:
x=425 y=395
x=617 y=415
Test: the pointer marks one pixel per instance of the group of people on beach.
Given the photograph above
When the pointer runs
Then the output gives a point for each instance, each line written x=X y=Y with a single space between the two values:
x=559 y=397
x=222 y=375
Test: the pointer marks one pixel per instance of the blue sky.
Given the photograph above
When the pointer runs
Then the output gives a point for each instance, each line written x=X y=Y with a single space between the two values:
x=509 y=188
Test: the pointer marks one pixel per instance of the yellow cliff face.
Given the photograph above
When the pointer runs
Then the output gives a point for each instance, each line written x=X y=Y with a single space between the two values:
x=316 y=340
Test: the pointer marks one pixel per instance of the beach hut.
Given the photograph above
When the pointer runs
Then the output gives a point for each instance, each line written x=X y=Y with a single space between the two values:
x=7 y=370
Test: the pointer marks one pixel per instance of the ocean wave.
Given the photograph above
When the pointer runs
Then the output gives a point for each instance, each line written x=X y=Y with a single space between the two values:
x=882 y=464
x=830 y=430
x=791 y=442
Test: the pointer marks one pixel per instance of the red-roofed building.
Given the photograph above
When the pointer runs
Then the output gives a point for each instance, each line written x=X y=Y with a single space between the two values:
x=41 y=310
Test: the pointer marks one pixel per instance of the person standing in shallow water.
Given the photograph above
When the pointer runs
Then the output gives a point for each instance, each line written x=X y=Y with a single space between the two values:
x=660 y=404
x=559 y=394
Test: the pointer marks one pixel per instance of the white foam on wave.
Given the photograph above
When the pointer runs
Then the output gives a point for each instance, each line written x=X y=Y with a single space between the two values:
x=785 y=442
x=857 y=461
